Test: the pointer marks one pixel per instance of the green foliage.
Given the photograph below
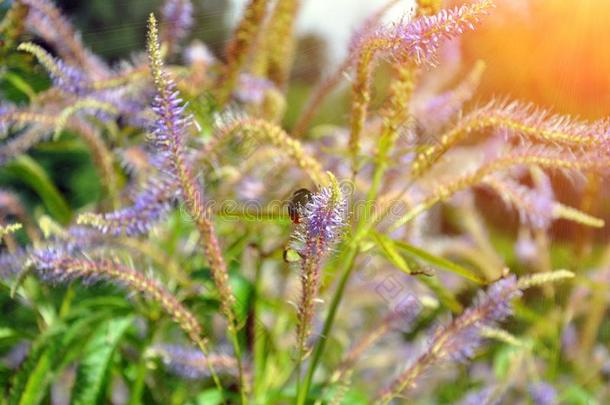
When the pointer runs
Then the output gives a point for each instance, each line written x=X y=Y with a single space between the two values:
x=96 y=360
x=206 y=289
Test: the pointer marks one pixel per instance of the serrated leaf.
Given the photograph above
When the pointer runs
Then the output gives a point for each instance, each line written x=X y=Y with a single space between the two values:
x=30 y=383
x=31 y=173
x=93 y=368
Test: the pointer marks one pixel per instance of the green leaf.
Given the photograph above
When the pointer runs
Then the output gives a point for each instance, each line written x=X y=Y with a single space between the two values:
x=95 y=363
x=209 y=397
x=576 y=395
x=31 y=173
x=29 y=385
x=437 y=261
x=390 y=251
x=20 y=84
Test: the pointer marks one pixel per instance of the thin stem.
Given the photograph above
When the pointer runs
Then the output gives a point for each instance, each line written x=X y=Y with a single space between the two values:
x=328 y=323
x=206 y=353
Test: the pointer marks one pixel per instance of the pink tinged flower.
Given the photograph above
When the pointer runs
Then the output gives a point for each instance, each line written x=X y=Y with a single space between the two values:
x=324 y=219
x=419 y=39
x=321 y=223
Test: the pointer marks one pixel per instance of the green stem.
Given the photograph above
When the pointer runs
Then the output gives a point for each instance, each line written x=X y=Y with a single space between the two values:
x=328 y=324
x=259 y=337
x=205 y=351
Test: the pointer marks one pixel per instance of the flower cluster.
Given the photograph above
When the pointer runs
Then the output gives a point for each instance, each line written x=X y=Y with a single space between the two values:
x=214 y=132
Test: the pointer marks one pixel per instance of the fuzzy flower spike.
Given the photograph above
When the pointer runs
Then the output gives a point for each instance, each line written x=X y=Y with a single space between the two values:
x=416 y=41
x=323 y=220
x=169 y=133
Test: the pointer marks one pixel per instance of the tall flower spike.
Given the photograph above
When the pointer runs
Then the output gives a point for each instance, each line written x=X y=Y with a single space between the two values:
x=324 y=218
x=193 y=364
x=459 y=340
x=551 y=159
x=263 y=132
x=324 y=88
x=416 y=41
x=55 y=266
x=240 y=45
x=518 y=120
x=169 y=132
x=48 y=21
x=66 y=77
x=278 y=40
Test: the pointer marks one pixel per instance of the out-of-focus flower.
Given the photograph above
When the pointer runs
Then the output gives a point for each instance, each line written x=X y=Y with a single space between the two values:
x=177 y=19
x=193 y=363
x=543 y=393
x=458 y=340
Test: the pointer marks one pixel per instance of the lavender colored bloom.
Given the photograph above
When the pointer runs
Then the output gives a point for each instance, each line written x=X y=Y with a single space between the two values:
x=463 y=335
x=150 y=205
x=51 y=264
x=193 y=364
x=543 y=393
x=252 y=89
x=420 y=38
x=71 y=79
x=170 y=127
x=321 y=223
x=177 y=17
x=11 y=263
x=483 y=396
x=535 y=206
x=323 y=220
x=459 y=339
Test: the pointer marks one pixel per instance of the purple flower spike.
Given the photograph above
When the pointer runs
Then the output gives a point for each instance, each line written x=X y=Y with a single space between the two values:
x=458 y=340
x=421 y=38
x=71 y=79
x=324 y=218
x=150 y=206
x=193 y=364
